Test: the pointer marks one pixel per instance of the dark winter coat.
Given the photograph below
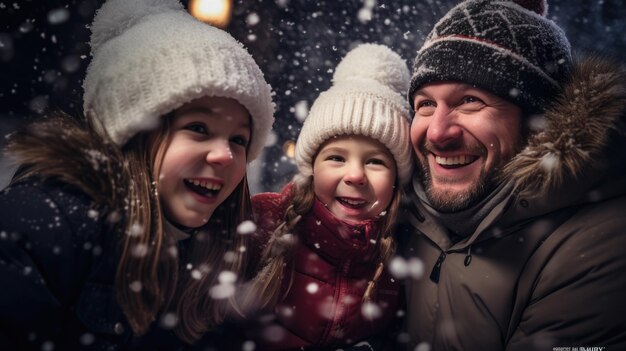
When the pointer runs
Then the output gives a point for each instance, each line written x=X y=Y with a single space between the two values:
x=59 y=251
x=333 y=262
x=58 y=259
x=546 y=268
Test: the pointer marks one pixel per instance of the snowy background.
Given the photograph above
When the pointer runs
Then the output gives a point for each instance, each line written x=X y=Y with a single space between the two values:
x=297 y=43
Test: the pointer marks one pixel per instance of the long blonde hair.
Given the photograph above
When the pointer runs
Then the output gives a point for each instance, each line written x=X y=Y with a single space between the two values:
x=265 y=289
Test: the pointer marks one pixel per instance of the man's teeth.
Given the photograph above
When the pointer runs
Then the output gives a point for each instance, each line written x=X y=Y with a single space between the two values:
x=206 y=184
x=456 y=160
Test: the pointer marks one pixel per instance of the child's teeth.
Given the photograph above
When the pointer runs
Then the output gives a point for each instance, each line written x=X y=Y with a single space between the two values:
x=206 y=184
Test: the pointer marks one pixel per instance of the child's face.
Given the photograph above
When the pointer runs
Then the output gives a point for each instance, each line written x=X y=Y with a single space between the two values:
x=354 y=177
x=205 y=160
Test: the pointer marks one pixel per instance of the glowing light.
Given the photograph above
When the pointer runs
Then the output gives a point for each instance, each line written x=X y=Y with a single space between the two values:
x=289 y=148
x=214 y=12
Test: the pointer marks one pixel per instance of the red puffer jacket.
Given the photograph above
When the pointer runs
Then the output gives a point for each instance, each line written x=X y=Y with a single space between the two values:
x=333 y=263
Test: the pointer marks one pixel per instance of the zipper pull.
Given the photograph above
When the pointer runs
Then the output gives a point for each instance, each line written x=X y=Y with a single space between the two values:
x=434 y=274
x=468 y=258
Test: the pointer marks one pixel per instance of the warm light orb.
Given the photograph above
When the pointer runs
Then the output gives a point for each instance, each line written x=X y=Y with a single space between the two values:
x=214 y=12
x=289 y=148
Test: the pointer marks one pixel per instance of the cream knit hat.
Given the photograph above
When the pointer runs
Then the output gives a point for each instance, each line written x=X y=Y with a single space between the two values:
x=366 y=99
x=151 y=57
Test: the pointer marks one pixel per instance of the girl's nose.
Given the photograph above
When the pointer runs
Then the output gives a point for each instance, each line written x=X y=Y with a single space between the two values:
x=219 y=153
x=443 y=127
x=355 y=175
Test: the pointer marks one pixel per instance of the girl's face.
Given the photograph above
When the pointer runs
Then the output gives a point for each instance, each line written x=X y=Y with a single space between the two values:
x=354 y=177
x=205 y=159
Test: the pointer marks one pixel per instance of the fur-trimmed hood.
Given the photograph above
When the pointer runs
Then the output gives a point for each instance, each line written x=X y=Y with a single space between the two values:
x=581 y=128
x=61 y=148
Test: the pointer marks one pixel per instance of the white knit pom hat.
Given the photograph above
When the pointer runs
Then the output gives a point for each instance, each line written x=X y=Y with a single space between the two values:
x=367 y=98
x=150 y=57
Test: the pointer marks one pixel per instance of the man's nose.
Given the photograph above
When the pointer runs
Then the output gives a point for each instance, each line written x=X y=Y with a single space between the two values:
x=443 y=127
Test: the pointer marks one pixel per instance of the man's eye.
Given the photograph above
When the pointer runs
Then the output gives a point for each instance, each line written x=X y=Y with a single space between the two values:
x=471 y=99
x=425 y=103
x=425 y=107
x=197 y=127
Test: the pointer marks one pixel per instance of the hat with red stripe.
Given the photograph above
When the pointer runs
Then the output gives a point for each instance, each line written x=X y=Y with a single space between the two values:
x=508 y=48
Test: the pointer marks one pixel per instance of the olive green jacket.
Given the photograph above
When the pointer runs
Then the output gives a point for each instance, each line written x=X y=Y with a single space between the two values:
x=547 y=267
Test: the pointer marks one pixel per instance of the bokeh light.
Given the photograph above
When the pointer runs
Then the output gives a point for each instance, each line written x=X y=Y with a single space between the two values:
x=215 y=12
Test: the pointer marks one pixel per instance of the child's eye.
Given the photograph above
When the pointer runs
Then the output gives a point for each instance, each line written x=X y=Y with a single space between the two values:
x=239 y=140
x=376 y=161
x=197 y=128
x=335 y=158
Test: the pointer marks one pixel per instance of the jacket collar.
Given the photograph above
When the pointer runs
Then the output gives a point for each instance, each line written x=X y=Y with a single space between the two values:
x=335 y=239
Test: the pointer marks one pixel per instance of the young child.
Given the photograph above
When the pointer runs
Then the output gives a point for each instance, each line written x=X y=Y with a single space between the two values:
x=120 y=230
x=324 y=273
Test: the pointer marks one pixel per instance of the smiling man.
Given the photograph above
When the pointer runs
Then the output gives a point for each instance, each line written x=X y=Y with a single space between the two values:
x=517 y=206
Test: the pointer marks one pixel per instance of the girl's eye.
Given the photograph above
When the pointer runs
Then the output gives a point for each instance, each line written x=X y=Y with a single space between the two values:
x=335 y=158
x=197 y=128
x=239 y=140
x=376 y=161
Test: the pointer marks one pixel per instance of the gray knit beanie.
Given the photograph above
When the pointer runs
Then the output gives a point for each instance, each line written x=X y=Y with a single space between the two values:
x=150 y=57
x=507 y=47
x=365 y=99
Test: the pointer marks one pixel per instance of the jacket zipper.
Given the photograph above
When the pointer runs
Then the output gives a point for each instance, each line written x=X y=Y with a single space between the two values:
x=336 y=324
x=434 y=274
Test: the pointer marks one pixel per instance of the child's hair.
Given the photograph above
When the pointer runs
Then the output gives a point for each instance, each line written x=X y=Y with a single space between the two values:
x=160 y=272
x=366 y=99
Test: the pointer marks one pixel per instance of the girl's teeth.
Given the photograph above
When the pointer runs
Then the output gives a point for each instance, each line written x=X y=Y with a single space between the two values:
x=352 y=202
x=206 y=184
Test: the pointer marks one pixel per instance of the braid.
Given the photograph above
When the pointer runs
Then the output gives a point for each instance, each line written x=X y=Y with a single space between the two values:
x=264 y=290
x=386 y=245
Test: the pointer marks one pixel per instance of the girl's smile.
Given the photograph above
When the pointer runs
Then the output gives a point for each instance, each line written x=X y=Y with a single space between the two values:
x=354 y=177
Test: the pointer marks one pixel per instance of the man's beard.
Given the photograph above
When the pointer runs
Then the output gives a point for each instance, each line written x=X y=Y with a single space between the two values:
x=445 y=200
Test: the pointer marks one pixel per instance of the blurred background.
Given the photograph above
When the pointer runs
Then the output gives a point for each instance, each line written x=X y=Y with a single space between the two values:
x=297 y=43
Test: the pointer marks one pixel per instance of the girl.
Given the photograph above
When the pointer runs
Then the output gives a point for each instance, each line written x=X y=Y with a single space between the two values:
x=119 y=231
x=330 y=230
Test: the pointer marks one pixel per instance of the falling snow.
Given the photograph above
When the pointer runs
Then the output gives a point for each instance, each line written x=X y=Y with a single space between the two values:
x=371 y=311
x=246 y=227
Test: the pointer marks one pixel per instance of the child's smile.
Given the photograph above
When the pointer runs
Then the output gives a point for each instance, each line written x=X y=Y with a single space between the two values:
x=354 y=177
x=205 y=160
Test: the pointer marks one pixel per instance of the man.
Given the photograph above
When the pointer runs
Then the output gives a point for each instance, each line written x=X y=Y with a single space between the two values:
x=518 y=211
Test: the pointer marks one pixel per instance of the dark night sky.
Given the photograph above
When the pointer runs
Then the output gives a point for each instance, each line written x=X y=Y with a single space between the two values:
x=297 y=43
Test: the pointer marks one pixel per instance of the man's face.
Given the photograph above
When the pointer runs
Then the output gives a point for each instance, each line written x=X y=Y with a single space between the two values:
x=462 y=136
